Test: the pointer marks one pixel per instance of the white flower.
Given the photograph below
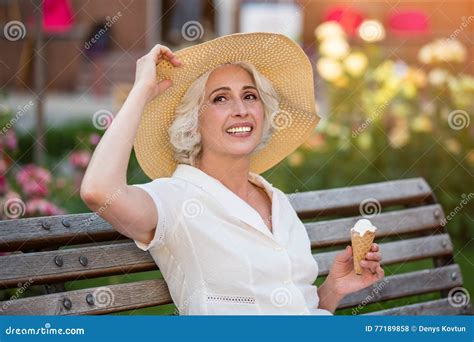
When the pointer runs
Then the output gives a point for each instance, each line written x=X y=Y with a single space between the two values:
x=329 y=29
x=438 y=77
x=442 y=50
x=334 y=47
x=425 y=55
x=458 y=51
x=355 y=64
x=329 y=69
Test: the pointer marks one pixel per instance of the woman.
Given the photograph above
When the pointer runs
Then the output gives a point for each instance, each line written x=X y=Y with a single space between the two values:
x=225 y=240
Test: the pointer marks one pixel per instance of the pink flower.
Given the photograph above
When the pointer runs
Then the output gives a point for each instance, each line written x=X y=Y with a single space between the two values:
x=10 y=140
x=80 y=159
x=3 y=166
x=42 y=207
x=3 y=184
x=34 y=180
x=94 y=139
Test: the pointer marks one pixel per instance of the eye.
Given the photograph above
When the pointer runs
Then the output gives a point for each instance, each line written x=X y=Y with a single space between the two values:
x=251 y=96
x=218 y=99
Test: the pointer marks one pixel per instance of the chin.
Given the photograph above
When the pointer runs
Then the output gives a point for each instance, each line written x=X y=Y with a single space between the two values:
x=241 y=150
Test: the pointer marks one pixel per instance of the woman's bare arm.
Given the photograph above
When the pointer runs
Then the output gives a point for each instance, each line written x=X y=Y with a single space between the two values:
x=104 y=188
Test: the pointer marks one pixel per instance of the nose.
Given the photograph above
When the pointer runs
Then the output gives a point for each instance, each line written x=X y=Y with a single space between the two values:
x=239 y=108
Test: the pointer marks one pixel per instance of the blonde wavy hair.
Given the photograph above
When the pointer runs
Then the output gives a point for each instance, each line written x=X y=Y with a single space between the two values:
x=184 y=131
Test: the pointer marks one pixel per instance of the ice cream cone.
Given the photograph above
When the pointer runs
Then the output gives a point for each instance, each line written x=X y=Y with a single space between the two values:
x=360 y=247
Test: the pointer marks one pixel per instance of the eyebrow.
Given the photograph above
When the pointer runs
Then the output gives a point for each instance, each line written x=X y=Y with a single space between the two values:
x=227 y=88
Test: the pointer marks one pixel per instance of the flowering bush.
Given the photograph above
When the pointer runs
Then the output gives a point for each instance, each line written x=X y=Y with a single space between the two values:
x=23 y=189
x=384 y=118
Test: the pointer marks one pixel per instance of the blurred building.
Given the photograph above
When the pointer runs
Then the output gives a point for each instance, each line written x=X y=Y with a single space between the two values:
x=75 y=63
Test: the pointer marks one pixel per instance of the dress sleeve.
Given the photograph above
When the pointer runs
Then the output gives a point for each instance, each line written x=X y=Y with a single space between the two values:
x=163 y=192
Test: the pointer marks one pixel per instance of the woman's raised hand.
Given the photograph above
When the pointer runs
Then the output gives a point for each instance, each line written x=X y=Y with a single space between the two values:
x=145 y=75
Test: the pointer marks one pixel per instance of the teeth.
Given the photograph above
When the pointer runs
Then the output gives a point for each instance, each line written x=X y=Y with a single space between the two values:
x=239 y=129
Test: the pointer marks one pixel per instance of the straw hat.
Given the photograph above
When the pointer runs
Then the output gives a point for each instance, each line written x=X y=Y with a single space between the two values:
x=276 y=56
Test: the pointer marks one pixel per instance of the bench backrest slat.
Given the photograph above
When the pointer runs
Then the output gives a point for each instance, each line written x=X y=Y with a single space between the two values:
x=347 y=200
x=393 y=223
x=54 y=231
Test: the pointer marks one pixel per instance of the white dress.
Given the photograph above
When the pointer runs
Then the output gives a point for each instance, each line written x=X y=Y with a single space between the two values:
x=219 y=258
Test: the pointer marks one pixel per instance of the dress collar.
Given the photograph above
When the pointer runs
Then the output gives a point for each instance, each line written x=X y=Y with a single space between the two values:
x=235 y=205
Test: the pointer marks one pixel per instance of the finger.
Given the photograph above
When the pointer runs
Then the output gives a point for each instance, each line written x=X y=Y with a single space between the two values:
x=374 y=256
x=374 y=247
x=380 y=272
x=371 y=265
x=345 y=255
x=161 y=51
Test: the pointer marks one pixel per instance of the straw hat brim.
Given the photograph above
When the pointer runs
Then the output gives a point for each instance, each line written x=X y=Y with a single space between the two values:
x=276 y=56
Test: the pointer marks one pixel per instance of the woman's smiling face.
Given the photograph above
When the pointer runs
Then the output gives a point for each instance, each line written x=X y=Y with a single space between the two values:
x=231 y=100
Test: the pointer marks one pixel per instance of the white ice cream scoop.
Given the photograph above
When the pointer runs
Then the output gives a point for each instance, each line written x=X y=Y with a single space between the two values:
x=362 y=226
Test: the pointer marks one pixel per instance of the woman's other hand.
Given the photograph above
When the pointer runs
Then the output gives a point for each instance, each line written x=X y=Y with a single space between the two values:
x=343 y=276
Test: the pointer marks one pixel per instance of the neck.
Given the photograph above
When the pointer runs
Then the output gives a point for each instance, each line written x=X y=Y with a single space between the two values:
x=232 y=172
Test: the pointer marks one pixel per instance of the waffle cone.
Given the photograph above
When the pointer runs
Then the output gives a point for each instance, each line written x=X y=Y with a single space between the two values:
x=360 y=247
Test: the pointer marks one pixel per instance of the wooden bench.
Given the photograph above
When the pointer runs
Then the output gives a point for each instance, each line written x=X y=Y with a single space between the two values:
x=52 y=251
